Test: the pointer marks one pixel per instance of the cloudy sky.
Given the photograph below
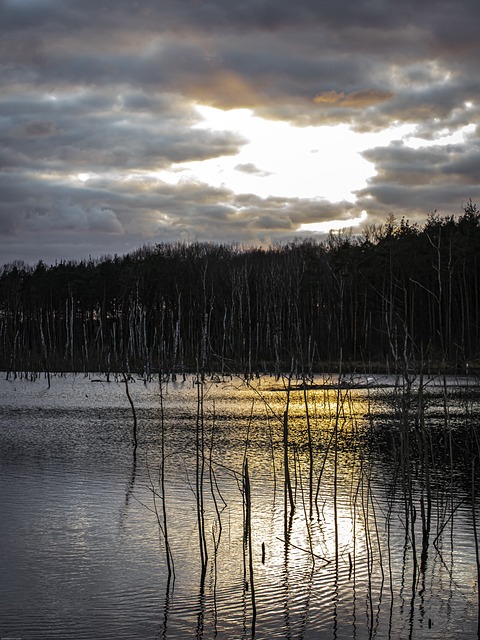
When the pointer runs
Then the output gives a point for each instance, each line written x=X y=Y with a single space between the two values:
x=131 y=122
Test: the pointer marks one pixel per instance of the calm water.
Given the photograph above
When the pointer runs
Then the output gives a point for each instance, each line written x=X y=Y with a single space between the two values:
x=82 y=555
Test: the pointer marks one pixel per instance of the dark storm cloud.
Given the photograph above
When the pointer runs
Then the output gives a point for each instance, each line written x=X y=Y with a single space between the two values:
x=96 y=97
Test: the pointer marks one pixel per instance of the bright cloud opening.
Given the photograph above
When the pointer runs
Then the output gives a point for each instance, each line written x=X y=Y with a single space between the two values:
x=282 y=160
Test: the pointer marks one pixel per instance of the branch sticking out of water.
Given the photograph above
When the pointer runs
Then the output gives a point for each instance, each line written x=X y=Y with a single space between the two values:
x=248 y=539
x=307 y=551
x=134 y=414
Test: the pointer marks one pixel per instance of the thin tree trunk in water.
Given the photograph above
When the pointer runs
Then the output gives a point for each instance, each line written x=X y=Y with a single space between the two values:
x=170 y=566
x=200 y=469
x=134 y=414
x=248 y=535
x=426 y=511
x=335 y=460
x=288 y=483
x=310 y=451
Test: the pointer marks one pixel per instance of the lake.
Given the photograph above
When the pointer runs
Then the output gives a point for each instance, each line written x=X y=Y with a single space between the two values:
x=374 y=537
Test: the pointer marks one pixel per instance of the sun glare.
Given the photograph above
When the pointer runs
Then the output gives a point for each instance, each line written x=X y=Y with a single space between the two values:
x=281 y=160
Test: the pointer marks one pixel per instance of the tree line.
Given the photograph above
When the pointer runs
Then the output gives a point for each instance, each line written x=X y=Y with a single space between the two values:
x=398 y=293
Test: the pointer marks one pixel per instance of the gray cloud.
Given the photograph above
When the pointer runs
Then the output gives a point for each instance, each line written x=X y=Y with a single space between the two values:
x=96 y=97
x=441 y=178
x=251 y=169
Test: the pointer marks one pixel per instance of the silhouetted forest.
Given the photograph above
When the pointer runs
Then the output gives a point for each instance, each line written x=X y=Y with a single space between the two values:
x=399 y=295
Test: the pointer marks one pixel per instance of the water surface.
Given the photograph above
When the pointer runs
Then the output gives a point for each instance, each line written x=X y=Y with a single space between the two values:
x=385 y=547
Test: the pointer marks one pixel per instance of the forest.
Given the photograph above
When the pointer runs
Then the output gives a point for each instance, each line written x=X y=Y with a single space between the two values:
x=400 y=295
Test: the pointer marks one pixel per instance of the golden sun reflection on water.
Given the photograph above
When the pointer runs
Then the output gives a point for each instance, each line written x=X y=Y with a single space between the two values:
x=332 y=525
x=317 y=564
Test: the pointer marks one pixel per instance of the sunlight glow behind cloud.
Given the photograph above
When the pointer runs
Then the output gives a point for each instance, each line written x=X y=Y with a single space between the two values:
x=130 y=122
x=335 y=225
x=443 y=138
x=285 y=160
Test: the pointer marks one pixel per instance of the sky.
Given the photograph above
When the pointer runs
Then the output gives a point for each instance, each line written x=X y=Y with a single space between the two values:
x=130 y=123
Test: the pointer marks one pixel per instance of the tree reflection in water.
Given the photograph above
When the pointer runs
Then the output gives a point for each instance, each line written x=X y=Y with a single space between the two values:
x=376 y=536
